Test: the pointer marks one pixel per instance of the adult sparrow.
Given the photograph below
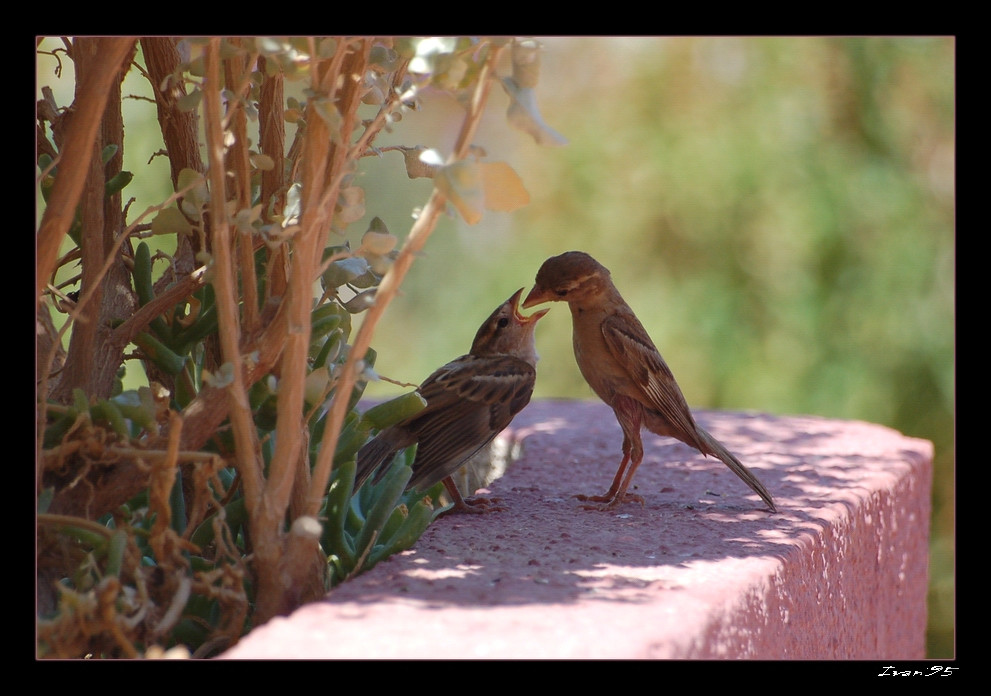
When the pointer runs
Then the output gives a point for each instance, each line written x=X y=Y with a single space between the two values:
x=470 y=400
x=625 y=369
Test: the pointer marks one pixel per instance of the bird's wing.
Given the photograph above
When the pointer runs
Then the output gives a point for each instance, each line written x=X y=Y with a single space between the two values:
x=469 y=401
x=631 y=346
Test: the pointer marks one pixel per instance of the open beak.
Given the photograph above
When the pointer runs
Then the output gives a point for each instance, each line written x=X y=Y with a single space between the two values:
x=515 y=302
x=537 y=296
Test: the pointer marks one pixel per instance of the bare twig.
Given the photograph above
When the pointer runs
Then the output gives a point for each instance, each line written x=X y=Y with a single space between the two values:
x=388 y=288
x=76 y=153
x=225 y=286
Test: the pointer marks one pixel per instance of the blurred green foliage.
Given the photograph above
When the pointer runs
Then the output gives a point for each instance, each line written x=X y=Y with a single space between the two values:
x=778 y=211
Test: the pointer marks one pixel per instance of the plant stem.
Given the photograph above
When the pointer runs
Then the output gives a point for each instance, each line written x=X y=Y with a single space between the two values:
x=388 y=288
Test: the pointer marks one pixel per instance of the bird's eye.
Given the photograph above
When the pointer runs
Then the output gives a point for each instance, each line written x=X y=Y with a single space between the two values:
x=561 y=293
x=503 y=322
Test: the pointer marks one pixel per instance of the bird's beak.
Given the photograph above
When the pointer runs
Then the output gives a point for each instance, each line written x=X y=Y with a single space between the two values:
x=537 y=296
x=514 y=301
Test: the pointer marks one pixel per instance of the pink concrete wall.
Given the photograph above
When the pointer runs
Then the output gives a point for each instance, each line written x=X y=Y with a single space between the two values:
x=702 y=570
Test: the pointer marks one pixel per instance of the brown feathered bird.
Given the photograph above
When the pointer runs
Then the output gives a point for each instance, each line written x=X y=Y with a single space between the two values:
x=470 y=400
x=622 y=365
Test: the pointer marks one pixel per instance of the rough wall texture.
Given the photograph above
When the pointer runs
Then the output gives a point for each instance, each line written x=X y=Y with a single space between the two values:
x=702 y=570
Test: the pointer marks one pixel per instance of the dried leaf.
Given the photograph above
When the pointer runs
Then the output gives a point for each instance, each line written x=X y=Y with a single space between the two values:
x=262 y=162
x=504 y=190
x=421 y=162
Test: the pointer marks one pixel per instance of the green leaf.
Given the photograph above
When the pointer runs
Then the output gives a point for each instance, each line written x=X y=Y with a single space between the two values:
x=138 y=406
x=189 y=102
x=117 y=182
x=199 y=195
x=394 y=410
x=170 y=221
x=315 y=386
x=159 y=353
x=108 y=152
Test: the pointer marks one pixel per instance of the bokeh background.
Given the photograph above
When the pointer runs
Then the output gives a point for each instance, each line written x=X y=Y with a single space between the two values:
x=778 y=211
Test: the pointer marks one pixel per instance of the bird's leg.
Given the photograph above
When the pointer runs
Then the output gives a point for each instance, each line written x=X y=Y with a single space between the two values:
x=622 y=496
x=470 y=505
x=617 y=479
x=629 y=413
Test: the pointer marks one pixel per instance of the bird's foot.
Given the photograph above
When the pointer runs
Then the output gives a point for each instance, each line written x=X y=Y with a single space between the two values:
x=610 y=501
x=475 y=505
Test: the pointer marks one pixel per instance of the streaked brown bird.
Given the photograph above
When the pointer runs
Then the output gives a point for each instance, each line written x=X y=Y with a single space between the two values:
x=622 y=365
x=470 y=400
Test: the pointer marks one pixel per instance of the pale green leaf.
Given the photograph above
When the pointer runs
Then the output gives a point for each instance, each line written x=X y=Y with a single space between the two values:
x=189 y=102
x=344 y=271
x=199 y=194
x=315 y=386
x=170 y=221
x=524 y=115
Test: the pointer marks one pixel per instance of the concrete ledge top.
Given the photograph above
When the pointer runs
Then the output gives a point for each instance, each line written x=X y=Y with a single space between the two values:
x=702 y=570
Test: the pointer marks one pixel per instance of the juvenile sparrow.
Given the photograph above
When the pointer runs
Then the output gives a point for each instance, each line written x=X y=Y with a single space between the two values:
x=470 y=400
x=622 y=365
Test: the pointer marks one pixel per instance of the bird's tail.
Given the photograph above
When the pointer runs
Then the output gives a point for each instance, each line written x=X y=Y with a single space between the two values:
x=372 y=455
x=714 y=447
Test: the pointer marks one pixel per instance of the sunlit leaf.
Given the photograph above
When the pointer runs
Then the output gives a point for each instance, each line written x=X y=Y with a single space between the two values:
x=316 y=385
x=432 y=54
x=421 y=162
x=292 y=211
x=377 y=239
x=504 y=190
